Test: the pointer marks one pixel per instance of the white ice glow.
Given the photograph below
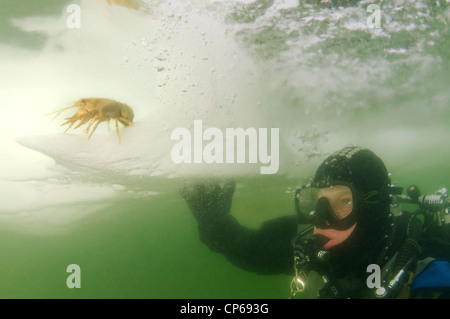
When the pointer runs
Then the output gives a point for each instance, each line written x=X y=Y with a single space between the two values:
x=172 y=64
x=178 y=61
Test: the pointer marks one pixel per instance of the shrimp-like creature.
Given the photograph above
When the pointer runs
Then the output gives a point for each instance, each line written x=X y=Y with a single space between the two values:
x=97 y=110
x=132 y=4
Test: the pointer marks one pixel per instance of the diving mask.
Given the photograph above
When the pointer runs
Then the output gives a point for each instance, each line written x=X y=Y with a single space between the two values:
x=327 y=207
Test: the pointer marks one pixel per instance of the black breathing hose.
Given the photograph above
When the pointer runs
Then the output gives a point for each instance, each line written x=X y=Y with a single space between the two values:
x=410 y=249
x=406 y=257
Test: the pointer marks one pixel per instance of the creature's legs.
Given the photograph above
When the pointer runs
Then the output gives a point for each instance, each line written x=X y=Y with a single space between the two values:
x=90 y=123
x=117 y=130
x=83 y=120
x=95 y=126
x=68 y=121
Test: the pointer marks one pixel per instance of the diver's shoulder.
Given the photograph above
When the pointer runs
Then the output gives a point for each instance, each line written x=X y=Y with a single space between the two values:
x=432 y=279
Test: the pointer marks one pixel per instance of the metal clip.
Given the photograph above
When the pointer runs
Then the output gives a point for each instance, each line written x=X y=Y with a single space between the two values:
x=297 y=283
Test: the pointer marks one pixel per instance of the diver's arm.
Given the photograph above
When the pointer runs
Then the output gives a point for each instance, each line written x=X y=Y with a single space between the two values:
x=267 y=250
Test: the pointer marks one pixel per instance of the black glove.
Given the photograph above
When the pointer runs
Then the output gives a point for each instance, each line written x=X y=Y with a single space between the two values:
x=209 y=200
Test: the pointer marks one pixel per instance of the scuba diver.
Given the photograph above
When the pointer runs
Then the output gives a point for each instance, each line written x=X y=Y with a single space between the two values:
x=349 y=238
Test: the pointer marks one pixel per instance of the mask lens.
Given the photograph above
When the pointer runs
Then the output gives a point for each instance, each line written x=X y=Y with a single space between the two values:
x=307 y=202
x=340 y=198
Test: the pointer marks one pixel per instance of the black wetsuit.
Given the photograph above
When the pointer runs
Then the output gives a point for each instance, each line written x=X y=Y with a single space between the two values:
x=267 y=250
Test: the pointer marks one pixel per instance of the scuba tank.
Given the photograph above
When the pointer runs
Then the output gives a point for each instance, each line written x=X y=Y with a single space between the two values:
x=436 y=221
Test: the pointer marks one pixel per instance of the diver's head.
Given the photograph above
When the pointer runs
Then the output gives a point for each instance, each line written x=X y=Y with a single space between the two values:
x=349 y=190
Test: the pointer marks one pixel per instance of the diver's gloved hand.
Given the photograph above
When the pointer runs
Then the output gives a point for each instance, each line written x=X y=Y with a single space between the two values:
x=209 y=200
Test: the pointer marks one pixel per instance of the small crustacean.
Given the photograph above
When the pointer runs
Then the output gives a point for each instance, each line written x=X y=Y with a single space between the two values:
x=133 y=4
x=97 y=110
